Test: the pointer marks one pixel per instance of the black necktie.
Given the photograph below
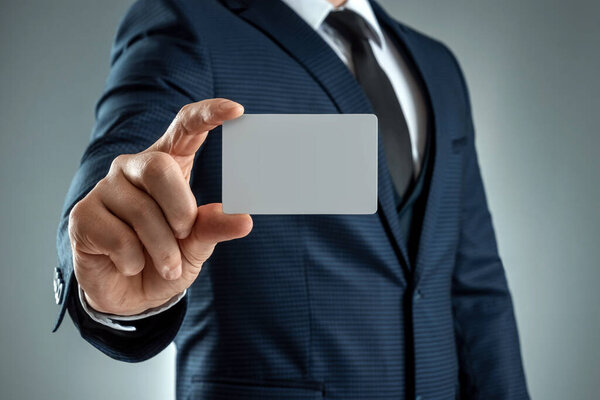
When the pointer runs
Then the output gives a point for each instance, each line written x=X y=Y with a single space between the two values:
x=378 y=88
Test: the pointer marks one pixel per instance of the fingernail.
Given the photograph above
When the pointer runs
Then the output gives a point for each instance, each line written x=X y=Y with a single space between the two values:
x=171 y=273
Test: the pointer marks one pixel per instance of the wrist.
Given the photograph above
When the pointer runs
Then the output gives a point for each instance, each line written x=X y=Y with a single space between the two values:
x=115 y=320
x=130 y=313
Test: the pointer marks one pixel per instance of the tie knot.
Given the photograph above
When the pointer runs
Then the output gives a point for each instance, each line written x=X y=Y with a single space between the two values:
x=350 y=25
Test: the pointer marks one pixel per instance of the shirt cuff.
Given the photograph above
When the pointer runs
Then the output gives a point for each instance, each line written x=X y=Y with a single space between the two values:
x=113 y=321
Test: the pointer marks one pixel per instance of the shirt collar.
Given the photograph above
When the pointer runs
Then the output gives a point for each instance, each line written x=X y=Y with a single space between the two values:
x=314 y=12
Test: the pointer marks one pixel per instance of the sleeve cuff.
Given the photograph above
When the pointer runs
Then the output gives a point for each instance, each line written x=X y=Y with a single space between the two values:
x=114 y=321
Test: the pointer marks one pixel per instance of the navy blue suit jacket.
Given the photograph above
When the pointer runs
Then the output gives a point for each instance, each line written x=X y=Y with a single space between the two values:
x=307 y=307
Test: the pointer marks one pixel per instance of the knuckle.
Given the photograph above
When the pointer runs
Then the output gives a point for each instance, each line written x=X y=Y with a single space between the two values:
x=76 y=213
x=183 y=116
x=81 y=221
x=157 y=166
x=118 y=162
x=102 y=186
x=185 y=110
x=207 y=114
x=77 y=216
x=204 y=111
x=184 y=219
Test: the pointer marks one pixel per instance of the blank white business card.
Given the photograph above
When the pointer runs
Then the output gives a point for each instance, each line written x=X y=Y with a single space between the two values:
x=300 y=164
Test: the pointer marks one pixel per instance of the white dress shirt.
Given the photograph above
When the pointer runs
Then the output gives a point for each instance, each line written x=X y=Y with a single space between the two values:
x=411 y=99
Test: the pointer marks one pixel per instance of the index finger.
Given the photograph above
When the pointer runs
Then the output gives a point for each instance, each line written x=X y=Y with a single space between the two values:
x=188 y=130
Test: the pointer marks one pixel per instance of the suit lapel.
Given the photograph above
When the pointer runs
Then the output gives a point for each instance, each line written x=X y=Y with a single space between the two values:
x=301 y=42
x=433 y=85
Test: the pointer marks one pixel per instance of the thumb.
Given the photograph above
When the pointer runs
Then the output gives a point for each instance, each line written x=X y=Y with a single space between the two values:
x=211 y=227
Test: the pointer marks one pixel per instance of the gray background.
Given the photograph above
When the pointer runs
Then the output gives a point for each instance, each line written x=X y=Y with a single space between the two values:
x=532 y=67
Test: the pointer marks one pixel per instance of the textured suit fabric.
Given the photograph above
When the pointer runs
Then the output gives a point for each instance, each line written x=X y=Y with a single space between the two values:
x=307 y=307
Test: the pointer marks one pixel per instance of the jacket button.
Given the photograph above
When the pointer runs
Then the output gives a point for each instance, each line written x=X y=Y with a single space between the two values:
x=418 y=294
x=58 y=285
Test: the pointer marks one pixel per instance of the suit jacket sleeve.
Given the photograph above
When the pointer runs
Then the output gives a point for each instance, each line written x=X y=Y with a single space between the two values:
x=485 y=327
x=157 y=66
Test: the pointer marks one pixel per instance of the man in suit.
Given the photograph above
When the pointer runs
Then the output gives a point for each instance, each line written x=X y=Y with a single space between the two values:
x=410 y=302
